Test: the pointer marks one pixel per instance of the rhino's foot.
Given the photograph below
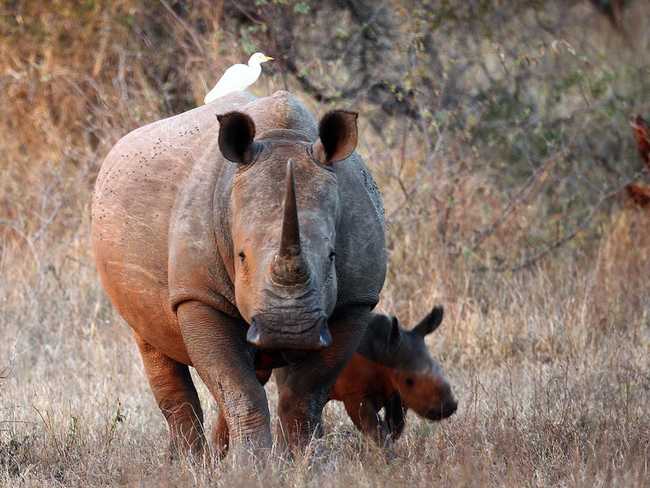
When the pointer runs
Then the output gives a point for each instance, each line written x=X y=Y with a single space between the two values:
x=250 y=455
x=186 y=447
x=299 y=420
x=220 y=436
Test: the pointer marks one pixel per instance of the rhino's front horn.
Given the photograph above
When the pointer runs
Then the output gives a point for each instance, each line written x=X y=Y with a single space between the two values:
x=290 y=240
x=289 y=266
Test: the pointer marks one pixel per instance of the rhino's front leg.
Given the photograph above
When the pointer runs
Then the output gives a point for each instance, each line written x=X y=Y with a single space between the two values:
x=217 y=346
x=304 y=387
x=220 y=435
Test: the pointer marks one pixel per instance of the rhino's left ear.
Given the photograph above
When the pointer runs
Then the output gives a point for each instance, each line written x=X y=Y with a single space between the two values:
x=236 y=134
x=395 y=334
x=337 y=136
x=431 y=322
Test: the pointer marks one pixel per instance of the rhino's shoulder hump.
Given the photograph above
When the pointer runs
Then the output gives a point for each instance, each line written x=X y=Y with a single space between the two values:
x=282 y=110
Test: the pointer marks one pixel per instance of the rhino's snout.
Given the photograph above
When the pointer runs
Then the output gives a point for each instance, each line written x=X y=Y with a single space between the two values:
x=446 y=409
x=311 y=334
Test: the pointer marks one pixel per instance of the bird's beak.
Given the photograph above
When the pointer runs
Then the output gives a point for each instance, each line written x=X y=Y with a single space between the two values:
x=268 y=58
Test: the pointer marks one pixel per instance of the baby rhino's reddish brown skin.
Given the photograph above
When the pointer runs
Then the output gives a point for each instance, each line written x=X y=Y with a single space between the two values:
x=238 y=227
x=393 y=370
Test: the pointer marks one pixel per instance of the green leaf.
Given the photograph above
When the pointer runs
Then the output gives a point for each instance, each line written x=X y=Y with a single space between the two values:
x=301 y=8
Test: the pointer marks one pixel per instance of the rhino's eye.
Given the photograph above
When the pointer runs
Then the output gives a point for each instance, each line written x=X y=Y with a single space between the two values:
x=332 y=255
x=242 y=256
x=410 y=382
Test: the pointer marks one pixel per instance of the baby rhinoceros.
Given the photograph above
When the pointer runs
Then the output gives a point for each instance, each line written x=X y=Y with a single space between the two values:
x=393 y=369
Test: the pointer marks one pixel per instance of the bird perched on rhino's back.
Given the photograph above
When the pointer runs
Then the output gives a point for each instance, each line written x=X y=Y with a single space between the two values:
x=238 y=77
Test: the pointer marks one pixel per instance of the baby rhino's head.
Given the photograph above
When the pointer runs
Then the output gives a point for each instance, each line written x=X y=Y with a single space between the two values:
x=416 y=376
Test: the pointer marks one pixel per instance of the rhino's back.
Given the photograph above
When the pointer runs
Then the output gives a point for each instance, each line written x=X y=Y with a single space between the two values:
x=135 y=193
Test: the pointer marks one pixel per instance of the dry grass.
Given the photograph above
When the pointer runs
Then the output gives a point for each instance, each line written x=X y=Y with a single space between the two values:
x=548 y=395
x=550 y=364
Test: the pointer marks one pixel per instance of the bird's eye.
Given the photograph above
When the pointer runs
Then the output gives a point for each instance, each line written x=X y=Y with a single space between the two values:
x=242 y=256
x=410 y=382
x=332 y=255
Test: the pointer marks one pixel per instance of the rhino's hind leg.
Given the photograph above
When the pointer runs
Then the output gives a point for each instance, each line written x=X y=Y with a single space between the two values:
x=176 y=396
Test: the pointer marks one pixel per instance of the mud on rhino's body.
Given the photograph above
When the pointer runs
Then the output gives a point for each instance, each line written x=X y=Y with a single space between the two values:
x=185 y=242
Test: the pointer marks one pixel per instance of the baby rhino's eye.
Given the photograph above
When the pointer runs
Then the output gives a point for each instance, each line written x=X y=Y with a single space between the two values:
x=410 y=382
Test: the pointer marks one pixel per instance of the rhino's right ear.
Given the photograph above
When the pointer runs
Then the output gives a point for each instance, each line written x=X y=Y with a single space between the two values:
x=337 y=136
x=236 y=134
x=431 y=322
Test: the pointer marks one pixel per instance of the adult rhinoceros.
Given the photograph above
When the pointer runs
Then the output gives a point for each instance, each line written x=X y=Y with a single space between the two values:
x=234 y=230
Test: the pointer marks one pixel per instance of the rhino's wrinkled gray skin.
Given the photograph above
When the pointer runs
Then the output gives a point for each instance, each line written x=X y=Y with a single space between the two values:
x=219 y=237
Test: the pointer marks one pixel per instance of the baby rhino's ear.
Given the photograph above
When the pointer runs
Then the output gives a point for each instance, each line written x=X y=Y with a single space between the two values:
x=395 y=334
x=431 y=322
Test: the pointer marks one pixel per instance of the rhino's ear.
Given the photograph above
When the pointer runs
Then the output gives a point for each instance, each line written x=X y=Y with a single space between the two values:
x=431 y=322
x=236 y=134
x=395 y=334
x=337 y=136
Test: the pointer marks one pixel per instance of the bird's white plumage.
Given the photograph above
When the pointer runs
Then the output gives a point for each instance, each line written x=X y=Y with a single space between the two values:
x=238 y=77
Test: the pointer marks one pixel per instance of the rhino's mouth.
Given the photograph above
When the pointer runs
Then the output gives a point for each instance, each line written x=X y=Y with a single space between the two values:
x=446 y=409
x=269 y=331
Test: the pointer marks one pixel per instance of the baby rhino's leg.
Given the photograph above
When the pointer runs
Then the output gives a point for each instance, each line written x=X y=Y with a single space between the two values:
x=395 y=416
x=364 y=413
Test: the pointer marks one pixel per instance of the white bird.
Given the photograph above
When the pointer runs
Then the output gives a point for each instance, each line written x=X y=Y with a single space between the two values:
x=238 y=77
